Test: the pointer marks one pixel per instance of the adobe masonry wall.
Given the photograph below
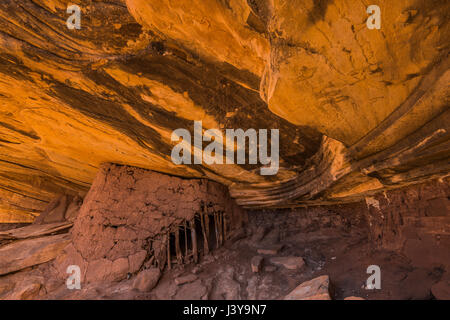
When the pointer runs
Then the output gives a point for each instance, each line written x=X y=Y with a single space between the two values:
x=126 y=217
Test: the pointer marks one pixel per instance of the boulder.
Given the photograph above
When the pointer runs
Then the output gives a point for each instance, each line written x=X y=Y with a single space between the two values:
x=441 y=290
x=271 y=250
x=185 y=279
x=146 y=280
x=28 y=291
x=119 y=269
x=192 y=291
x=315 y=289
x=291 y=263
x=354 y=298
x=136 y=260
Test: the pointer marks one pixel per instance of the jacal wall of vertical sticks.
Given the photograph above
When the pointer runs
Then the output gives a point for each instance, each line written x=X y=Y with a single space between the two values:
x=194 y=238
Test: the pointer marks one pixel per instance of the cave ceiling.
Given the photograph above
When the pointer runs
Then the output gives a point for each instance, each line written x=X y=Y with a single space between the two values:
x=359 y=110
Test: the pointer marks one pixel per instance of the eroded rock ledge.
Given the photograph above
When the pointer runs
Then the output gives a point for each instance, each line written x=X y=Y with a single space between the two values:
x=359 y=111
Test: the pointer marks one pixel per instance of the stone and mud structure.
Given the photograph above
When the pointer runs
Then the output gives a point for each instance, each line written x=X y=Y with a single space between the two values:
x=87 y=181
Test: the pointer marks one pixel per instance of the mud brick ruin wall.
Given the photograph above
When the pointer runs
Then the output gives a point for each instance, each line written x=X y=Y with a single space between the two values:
x=131 y=217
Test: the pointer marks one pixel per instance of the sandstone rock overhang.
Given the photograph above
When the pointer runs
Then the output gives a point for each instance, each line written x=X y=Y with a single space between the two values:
x=359 y=111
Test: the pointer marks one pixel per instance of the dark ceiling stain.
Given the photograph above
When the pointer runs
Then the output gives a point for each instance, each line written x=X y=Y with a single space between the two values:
x=319 y=10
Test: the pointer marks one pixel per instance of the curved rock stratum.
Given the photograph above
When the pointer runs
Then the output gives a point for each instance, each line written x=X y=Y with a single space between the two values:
x=359 y=110
x=94 y=102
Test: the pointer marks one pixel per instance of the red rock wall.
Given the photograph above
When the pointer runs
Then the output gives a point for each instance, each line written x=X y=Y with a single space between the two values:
x=127 y=215
x=414 y=220
x=345 y=217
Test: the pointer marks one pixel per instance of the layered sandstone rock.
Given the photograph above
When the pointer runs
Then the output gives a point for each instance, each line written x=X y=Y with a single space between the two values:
x=359 y=111
x=26 y=253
